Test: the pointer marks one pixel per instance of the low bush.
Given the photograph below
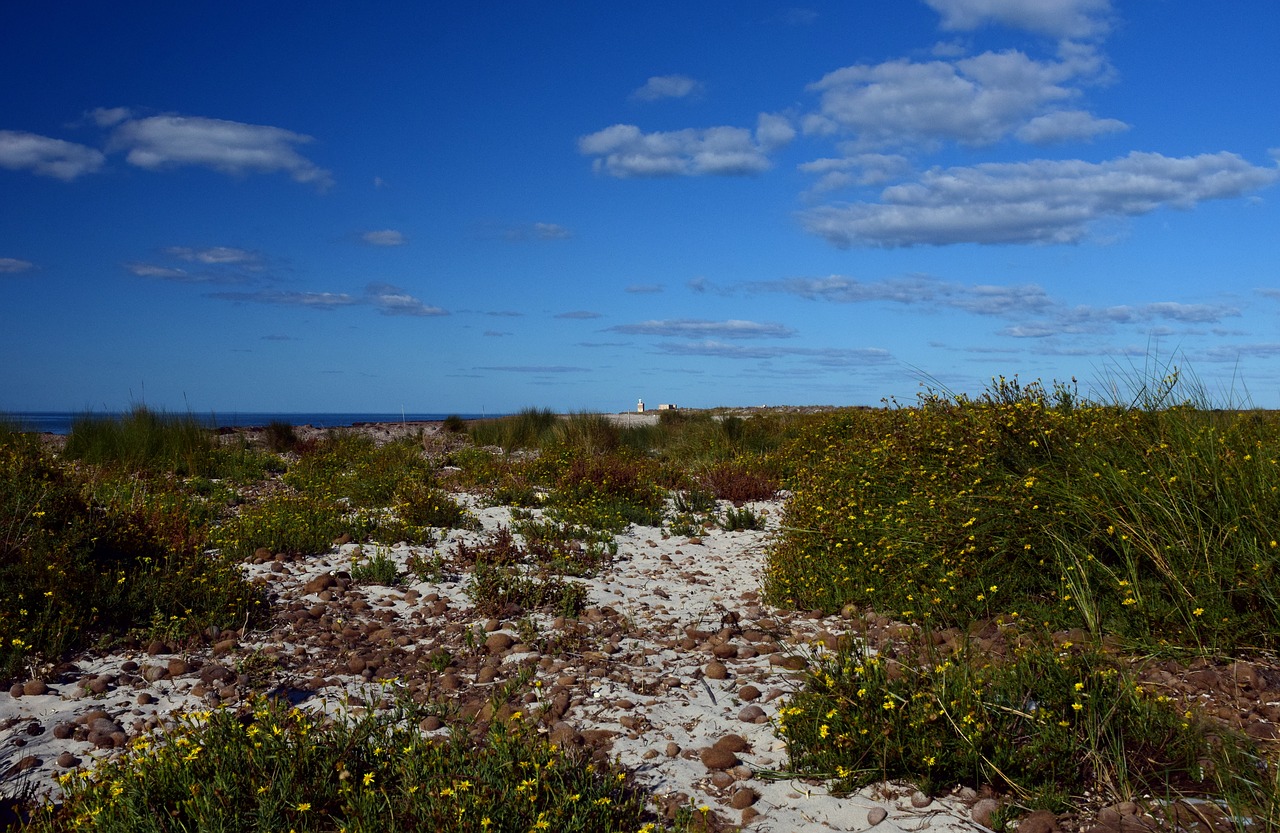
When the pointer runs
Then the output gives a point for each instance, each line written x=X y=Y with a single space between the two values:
x=84 y=560
x=1045 y=724
x=1154 y=525
x=286 y=523
x=271 y=767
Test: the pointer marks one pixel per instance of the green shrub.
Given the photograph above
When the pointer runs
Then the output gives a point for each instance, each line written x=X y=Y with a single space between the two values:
x=274 y=768
x=604 y=492
x=353 y=467
x=82 y=560
x=1154 y=525
x=1043 y=724
x=380 y=569
x=286 y=523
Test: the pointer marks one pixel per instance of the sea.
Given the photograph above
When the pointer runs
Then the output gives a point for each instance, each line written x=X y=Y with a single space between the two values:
x=60 y=422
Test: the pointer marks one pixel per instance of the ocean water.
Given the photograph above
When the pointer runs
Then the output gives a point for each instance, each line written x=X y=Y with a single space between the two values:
x=59 y=422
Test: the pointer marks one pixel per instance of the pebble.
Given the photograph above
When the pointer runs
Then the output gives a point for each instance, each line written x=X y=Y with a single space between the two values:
x=715 y=671
x=876 y=815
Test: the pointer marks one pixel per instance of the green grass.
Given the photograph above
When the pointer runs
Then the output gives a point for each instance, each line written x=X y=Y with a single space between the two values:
x=143 y=440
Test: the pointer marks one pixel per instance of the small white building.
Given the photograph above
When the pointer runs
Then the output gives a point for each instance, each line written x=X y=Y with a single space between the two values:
x=668 y=407
x=640 y=407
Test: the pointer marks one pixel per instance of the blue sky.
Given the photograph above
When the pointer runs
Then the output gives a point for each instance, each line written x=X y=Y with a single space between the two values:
x=488 y=206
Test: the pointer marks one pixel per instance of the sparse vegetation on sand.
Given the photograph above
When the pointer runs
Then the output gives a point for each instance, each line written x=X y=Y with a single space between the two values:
x=1031 y=564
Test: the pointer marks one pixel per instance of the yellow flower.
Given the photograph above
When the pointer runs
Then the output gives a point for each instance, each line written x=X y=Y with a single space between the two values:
x=368 y=778
x=304 y=806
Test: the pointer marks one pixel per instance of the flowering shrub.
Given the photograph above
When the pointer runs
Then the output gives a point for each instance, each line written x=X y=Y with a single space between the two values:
x=274 y=768
x=1152 y=525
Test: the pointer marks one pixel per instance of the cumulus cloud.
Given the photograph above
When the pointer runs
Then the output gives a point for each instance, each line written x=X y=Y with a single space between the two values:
x=1040 y=201
x=859 y=169
x=623 y=150
x=392 y=300
x=976 y=101
x=667 y=86
x=1056 y=18
x=13 y=265
x=385 y=237
x=42 y=155
x=164 y=142
x=1066 y=126
x=691 y=328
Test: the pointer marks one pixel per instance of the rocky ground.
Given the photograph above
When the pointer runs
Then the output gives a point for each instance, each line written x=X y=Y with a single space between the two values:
x=676 y=669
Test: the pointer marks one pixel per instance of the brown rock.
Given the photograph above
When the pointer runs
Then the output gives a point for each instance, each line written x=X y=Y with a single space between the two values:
x=320 y=583
x=716 y=758
x=715 y=671
x=178 y=667
x=733 y=743
x=983 y=810
x=919 y=800
x=1041 y=821
x=16 y=690
x=752 y=714
x=748 y=693
x=672 y=749
x=496 y=643
x=743 y=798
x=66 y=760
x=876 y=815
x=34 y=688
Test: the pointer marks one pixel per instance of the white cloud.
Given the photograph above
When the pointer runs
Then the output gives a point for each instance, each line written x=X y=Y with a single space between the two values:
x=623 y=150
x=1034 y=313
x=385 y=237
x=667 y=86
x=976 y=101
x=774 y=131
x=311 y=300
x=392 y=300
x=551 y=231
x=109 y=116
x=13 y=266
x=163 y=142
x=168 y=273
x=47 y=157
x=1041 y=201
x=579 y=315
x=1056 y=18
x=214 y=255
x=1065 y=126
x=860 y=169
x=690 y=328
